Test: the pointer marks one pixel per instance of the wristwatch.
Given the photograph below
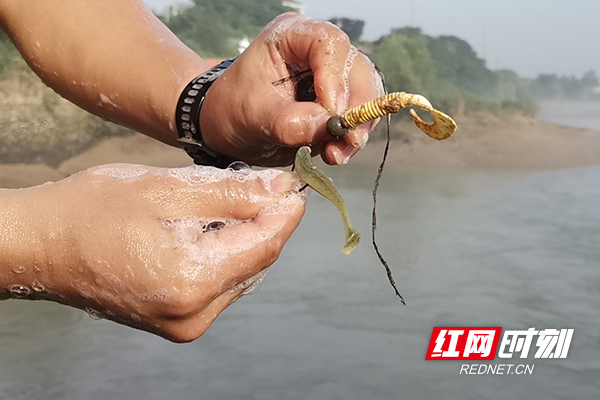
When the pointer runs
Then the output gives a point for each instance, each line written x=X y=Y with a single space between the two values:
x=187 y=117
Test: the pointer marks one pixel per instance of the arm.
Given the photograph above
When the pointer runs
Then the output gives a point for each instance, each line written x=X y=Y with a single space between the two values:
x=145 y=258
x=24 y=243
x=113 y=58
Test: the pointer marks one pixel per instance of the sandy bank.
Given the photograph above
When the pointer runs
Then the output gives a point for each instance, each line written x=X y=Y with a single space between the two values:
x=483 y=140
x=487 y=140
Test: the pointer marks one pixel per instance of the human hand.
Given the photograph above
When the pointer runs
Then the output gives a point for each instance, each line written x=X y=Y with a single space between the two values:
x=248 y=117
x=142 y=246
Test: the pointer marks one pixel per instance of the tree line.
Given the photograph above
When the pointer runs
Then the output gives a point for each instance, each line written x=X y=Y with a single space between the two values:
x=444 y=68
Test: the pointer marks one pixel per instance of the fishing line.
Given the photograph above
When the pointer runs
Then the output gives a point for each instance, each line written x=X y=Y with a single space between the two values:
x=375 y=187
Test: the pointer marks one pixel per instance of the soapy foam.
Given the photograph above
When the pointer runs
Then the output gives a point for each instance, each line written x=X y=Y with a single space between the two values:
x=283 y=206
x=281 y=26
x=201 y=175
x=121 y=172
x=305 y=27
x=203 y=253
x=346 y=74
x=206 y=252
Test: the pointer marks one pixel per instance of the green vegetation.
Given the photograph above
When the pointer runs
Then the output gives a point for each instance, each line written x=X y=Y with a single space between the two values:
x=407 y=63
x=212 y=28
x=553 y=87
x=447 y=70
x=444 y=68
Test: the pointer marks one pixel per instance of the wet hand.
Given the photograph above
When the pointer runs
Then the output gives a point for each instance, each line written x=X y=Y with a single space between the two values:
x=163 y=250
x=247 y=116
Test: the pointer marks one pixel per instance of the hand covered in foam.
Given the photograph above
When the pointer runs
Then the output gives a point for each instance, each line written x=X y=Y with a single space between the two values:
x=248 y=116
x=163 y=250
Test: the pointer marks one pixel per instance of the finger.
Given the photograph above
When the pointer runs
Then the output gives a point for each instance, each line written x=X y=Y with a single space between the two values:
x=338 y=152
x=290 y=123
x=325 y=48
x=240 y=195
x=364 y=85
x=243 y=200
x=299 y=123
x=239 y=252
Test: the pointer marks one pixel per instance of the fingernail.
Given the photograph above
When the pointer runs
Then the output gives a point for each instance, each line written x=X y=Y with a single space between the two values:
x=343 y=156
x=284 y=182
x=362 y=134
x=359 y=137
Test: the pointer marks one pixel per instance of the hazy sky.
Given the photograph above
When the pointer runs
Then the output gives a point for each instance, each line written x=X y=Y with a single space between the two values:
x=528 y=36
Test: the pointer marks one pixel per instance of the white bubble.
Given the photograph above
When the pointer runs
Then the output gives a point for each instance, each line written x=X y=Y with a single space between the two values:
x=19 y=269
x=346 y=73
x=37 y=287
x=19 y=291
x=202 y=175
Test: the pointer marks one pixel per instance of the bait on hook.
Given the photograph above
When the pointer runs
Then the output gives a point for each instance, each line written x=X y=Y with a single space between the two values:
x=442 y=128
x=338 y=126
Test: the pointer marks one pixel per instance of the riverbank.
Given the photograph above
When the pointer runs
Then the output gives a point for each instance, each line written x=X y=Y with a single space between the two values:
x=490 y=140
x=37 y=126
x=52 y=139
x=482 y=141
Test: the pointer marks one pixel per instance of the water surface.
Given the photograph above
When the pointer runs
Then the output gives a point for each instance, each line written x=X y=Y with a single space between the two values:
x=468 y=248
x=575 y=114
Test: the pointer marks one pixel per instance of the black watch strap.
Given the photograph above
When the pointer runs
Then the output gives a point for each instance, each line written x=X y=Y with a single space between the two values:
x=187 y=117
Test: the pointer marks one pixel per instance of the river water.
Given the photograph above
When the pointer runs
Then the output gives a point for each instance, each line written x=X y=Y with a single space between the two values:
x=575 y=114
x=510 y=248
